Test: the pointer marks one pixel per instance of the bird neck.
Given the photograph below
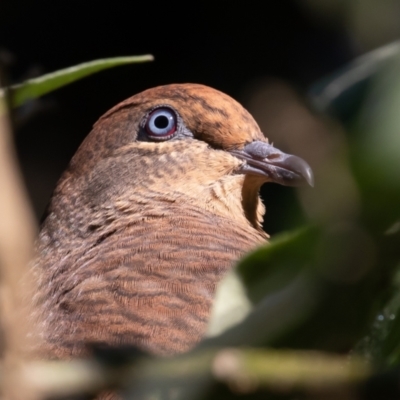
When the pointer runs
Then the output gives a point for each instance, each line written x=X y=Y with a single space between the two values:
x=75 y=215
x=235 y=197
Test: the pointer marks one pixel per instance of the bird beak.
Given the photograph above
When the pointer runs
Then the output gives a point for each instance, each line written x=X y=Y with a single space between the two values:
x=263 y=159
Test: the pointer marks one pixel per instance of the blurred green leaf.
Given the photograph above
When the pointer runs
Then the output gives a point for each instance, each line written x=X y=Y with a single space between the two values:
x=367 y=94
x=275 y=284
x=271 y=269
x=324 y=288
x=37 y=87
x=273 y=266
x=342 y=93
x=324 y=302
x=374 y=147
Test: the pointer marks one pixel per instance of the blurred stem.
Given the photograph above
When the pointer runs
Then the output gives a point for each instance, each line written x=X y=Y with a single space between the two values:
x=244 y=369
x=17 y=231
x=280 y=370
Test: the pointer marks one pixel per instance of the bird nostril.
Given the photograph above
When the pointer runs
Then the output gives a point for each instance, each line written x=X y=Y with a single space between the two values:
x=273 y=156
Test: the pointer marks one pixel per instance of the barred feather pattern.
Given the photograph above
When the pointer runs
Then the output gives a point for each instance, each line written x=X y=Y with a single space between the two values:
x=146 y=280
x=139 y=233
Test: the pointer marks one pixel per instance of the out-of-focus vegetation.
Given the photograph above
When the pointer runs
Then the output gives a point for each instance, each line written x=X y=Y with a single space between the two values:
x=34 y=88
x=334 y=286
x=315 y=314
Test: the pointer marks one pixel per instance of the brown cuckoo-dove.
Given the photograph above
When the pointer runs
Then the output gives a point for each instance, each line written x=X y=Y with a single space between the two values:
x=155 y=207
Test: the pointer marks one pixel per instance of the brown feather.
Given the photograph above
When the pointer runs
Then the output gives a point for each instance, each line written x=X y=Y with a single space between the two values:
x=138 y=233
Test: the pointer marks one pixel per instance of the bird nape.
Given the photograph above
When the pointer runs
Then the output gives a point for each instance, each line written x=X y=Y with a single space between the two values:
x=155 y=207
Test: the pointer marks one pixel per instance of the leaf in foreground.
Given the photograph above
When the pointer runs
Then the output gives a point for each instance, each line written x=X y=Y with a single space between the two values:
x=34 y=88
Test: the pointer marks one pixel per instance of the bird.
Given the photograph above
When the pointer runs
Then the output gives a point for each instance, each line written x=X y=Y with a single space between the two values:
x=158 y=203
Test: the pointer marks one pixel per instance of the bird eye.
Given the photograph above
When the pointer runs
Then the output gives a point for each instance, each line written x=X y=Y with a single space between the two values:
x=161 y=124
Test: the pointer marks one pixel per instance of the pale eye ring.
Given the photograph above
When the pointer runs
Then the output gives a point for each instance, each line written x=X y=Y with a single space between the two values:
x=161 y=124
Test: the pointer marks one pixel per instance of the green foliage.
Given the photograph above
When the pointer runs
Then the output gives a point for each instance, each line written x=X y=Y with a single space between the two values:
x=331 y=286
x=276 y=264
x=335 y=287
x=342 y=94
x=34 y=88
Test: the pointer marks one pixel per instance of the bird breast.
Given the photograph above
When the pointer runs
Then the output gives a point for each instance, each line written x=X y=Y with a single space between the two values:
x=145 y=279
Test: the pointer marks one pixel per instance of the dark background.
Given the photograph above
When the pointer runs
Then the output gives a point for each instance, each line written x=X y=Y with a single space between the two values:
x=233 y=47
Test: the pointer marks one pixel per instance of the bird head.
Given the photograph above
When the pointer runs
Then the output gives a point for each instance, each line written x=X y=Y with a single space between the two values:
x=182 y=141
